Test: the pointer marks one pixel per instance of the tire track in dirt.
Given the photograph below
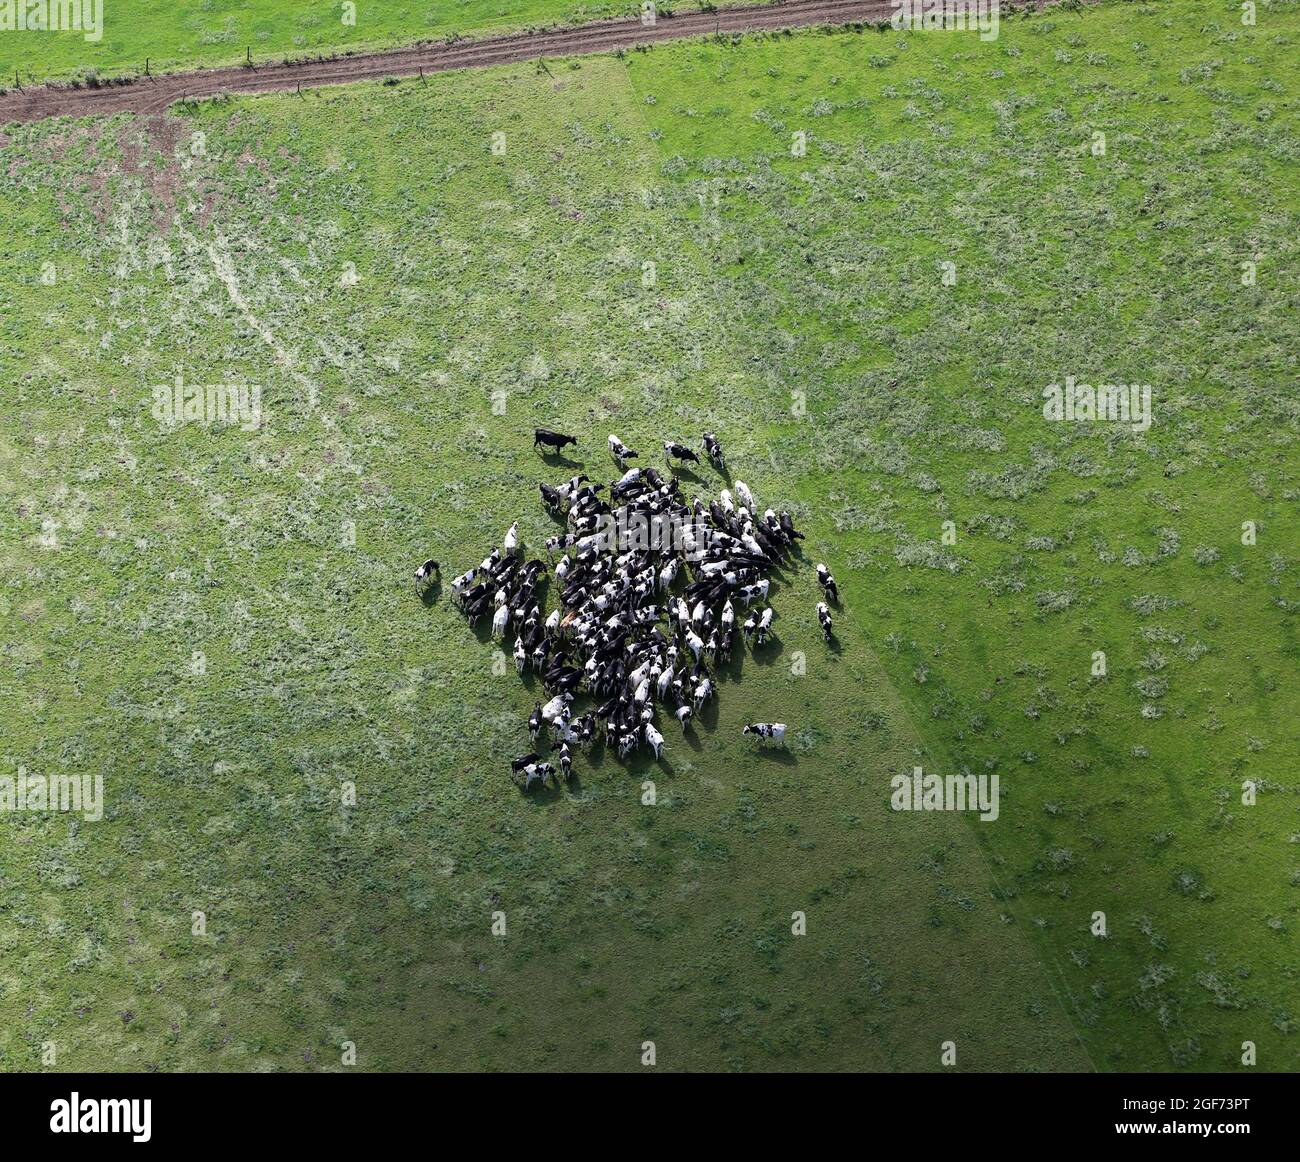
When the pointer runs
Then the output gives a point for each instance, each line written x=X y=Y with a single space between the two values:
x=152 y=95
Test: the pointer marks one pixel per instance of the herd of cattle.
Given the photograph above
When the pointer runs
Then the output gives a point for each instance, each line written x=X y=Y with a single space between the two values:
x=606 y=639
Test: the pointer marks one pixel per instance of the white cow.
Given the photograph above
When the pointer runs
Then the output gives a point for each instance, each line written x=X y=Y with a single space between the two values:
x=500 y=620
x=654 y=739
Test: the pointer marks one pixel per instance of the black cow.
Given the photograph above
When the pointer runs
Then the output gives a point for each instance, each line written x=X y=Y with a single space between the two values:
x=556 y=441
x=679 y=452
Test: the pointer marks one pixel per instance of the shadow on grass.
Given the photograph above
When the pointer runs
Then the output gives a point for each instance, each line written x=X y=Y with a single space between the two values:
x=558 y=459
x=776 y=754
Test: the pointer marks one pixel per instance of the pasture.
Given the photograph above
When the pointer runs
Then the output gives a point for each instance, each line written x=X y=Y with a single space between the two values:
x=415 y=276
x=209 y=33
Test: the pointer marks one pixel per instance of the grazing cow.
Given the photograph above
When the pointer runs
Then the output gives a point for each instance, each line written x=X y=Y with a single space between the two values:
x=556 y=441
x=695 y=642
x=714 y=448
x=664 y=683
x=524 y=761
x=521 y=655
x=566 y=759
x=424 y=574
x=703 y=691
x=620 y=451
x=679 y=452
x=824 y=616
x=766 y=731
x=551 y=497
x=667 y=575
x=764 y=624
x=500 y=620
x=559 y=705
x=654 y=739
x=683 y=715
x=536 y=773
x=751 y=624
x=562 y=730
x=787 y=527
x=745 y=497
x=827 y=582
x=625 y=483
x=511 y=542
x=535 y=721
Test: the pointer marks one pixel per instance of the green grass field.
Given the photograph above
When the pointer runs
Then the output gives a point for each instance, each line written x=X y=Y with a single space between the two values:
x=223 y=32
x=412 y=304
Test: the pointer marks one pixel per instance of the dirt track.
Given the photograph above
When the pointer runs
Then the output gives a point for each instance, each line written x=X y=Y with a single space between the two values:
x=152 y=95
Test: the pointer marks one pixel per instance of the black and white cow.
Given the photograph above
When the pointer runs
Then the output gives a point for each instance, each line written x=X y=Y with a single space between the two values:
x=827 y=582
x=824 y=616
x=766 y=732
x=620 y=451
x=713 y=447
x=679 y=452
x=566 y=758
x=425 y=574
x=534 y=773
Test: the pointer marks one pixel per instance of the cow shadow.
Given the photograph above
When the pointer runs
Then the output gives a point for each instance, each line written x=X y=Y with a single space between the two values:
x=558 y=459
x=545 y=793
x=776 y=754
x=656 y=767
x=430 y=594
x=734 y=667
x=681 y=472
x=769 y=652
x=707 y=715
